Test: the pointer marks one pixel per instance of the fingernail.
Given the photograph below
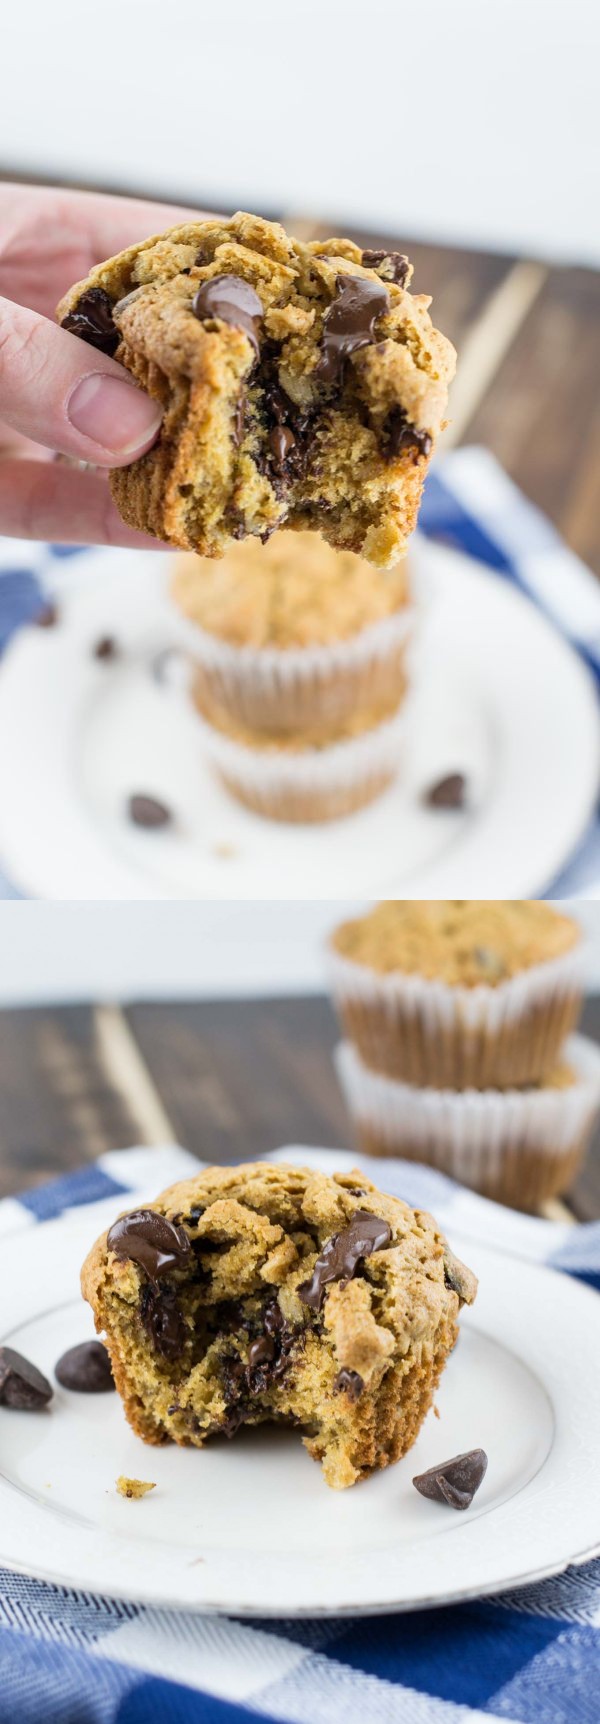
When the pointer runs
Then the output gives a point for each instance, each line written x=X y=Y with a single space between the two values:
x=114 y=414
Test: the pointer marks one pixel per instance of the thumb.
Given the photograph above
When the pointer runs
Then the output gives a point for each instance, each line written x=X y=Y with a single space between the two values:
x=60 y=392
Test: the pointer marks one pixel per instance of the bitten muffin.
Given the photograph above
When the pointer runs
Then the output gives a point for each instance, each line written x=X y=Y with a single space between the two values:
x=301 y=384
x=272 y=1292
x=293 y=636
x=459 y=994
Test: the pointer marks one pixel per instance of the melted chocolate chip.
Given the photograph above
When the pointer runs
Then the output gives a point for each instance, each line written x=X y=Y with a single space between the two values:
x=149 y=1239
x=86 y=1368
x=148 y=811
x=399 y=434
x=234 y=301
x=22 y=1386
x=261 y=1352
x=161 y=1317
x=281 y=442
x=92 y=320
x=348 y=1383
x=454 y=1482
x=349 y=324
x=449 y=792
x=395 y=264
x=106 y=648
x=342 y=1255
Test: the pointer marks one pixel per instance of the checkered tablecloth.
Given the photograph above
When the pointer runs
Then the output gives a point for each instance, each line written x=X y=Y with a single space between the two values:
x=469 y=503
x=528 y=1657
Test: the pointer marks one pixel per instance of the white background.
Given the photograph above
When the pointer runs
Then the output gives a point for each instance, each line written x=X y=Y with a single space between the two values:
x=472 y=120
x=53 y=952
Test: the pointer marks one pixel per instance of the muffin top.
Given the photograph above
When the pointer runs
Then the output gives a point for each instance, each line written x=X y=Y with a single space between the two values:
x=295 y=591
x=462 y=941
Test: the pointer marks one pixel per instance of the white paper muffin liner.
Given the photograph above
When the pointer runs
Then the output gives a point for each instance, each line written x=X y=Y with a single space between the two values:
x=275 y=690
x=429 y=1033
x=313 y=784
x=517 y=1146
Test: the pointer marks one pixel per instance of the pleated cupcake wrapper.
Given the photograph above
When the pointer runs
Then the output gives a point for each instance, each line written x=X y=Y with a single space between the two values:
x=271 y=689
x=314 y=784
x=517 y=1146
x=429 y=1033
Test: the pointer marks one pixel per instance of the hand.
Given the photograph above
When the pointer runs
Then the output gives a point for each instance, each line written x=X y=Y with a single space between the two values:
x=58 y=395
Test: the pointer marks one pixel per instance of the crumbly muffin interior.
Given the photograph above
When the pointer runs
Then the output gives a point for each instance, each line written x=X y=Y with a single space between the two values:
x=269 y=1292
x=295 y=591
x=464 y=942
x=301 y=383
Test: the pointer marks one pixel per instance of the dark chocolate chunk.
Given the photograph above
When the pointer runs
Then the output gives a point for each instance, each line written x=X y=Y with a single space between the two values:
x=399 y=434
x=92 y=320
x=396 y=265
x=342 y=1255
x=281 y=442
x=22 y=1386
x=349 y=324
x=448 y=792
x=47 y=618
x=106 y=648
x=348 y=1383
x=161 y=1317
x=454 y=1482
x=86 y=1368
x=148 y=811
x=149 y=1239
x=261 y=1352
x=233 y=300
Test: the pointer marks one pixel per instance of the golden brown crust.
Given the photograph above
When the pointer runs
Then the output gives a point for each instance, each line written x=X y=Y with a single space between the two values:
x=206 y=481
x=466 y=943
x=258 y=1231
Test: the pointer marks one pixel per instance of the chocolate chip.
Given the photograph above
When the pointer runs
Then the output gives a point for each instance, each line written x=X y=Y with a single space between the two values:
x=92 y=320
x=234 y=301
x=458 y=1278
x=448 y=792
x=106 y=648
x=21 y=1384
x=348 y=1383
x=148 y=811
x=47 y=618
x=261 y=1352
x=149 y=1239
x=392 y=265
x=185 y=490
x=342 y=1255
x=398 y=435
x=86 y=1368
x=281 y=442
x=454 y=1482
x=162 y=1319
x=349 y=324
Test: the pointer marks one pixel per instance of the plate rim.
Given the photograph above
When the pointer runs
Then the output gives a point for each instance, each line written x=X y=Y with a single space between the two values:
x=76 y=1222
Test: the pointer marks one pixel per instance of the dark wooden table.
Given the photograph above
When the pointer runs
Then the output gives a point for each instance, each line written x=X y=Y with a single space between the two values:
x=228 y=1080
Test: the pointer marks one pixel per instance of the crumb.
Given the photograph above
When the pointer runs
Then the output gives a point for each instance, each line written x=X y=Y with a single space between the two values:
x=133 y=1487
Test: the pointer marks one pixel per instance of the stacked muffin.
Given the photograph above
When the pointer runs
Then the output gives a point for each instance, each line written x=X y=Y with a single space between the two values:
x=460 y=1016
x=299 y=672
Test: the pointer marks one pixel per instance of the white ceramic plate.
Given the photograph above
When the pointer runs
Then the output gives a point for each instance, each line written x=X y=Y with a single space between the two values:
x=498 y=694
x=249 y=1527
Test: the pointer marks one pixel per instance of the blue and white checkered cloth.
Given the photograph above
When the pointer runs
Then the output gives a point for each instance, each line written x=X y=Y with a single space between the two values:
x=531 y=1656
x=469 y=503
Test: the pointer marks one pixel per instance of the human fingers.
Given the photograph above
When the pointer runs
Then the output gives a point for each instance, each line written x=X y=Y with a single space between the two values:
x=63 y=505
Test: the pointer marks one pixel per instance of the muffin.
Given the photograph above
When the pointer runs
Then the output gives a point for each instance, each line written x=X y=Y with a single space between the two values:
x=518 y=1146
x=271 y=1292
x=459 y=994
x=293 y=635
x=301 y=779
x=300 y=383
